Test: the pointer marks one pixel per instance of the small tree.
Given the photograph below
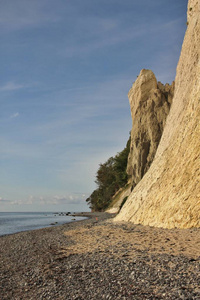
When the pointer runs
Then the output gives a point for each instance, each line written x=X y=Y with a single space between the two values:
x=110 y=177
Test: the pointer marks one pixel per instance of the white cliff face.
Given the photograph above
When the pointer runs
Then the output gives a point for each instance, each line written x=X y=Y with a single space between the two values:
x=169 y=193
x=150 y=104
x=118 y=199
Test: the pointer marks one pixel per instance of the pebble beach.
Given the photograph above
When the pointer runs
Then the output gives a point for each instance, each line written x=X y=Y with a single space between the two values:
x=100 y=259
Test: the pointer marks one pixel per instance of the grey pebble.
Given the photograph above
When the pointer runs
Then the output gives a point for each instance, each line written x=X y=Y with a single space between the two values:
x=31 y=269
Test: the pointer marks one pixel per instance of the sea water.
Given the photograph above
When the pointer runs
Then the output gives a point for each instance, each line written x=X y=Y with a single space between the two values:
x=13 y=222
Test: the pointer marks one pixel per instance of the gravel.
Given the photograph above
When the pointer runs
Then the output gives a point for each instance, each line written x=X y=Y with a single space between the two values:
x=36 y=265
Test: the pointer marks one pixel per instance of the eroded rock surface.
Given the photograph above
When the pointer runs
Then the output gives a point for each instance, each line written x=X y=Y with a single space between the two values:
x=150 y=104
x=118 y=199
x=169 y=193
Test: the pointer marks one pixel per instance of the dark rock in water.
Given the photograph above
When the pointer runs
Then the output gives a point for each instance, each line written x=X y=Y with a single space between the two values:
x=54 y=223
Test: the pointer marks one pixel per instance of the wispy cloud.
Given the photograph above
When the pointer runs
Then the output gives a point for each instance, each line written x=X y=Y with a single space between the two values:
x=11 y=86
x=12 y=149
x=67 y=69
x=69 y=199
x=65 y=199
x=106 y=33
x=102 y=40
x=15 y=115
x=4 y=201
x=45 y=200
x=29 y=201
x=15 y=15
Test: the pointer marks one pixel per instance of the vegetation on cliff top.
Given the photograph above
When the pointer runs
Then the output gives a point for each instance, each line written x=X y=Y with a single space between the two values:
x=110 y=177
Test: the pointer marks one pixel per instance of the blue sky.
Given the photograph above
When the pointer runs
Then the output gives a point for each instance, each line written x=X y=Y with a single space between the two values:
x=66 y=69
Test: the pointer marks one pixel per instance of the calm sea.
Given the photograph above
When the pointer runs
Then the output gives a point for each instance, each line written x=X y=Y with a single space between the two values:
x=15 y=222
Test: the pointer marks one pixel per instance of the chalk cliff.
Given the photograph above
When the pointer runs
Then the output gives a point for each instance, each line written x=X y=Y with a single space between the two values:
x=118 y=198
x=150 y=104
x=169 y=193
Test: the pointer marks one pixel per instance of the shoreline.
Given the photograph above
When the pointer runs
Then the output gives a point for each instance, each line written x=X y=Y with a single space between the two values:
x=51 y=224
x=96 y=258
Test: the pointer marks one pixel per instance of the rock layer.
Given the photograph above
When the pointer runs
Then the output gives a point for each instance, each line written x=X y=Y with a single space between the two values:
x=150 y=103
x=169 y=193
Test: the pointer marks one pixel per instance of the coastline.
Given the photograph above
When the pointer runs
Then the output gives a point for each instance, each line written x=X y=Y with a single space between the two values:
x=96 y=258
x=16 y=222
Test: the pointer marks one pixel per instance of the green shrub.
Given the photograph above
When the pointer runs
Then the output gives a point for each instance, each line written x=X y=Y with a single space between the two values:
x=110 y=177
